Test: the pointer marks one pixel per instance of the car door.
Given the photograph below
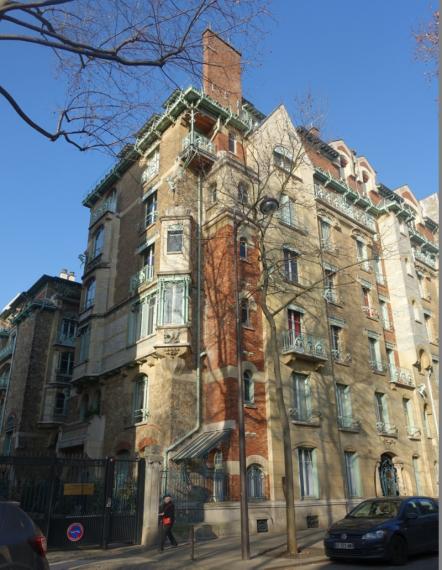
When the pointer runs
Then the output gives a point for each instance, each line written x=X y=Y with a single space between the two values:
x=429 y=520
x=412 y=527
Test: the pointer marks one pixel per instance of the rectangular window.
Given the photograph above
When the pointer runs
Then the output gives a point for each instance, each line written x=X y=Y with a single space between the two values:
x=294 y=321
x=142 y=319
x=68 y=328
x=408 y=413
x=302 y=397
x=330 y=286
x=149 y=256
x=90 y=294
x=360 y=250
x=66 y=363
x=353 y=474
x=378 y=270
x=428 y=326
x=325 y=233
x=291 y=265
x=151 y=210
x=175 y=240
x=385 y=315
x=336 y=341
x=345 y=413
x=382 y=410
x=375 y=354
x=390 y=359
x=245 y=313
x=287 y=210
x=85 y=335
x=140 y=405
x=213 y=194
x=308 y=473
x=173 y=303
x=366 y=301
x=232 y=142
x=152 y=167
x=243 y=247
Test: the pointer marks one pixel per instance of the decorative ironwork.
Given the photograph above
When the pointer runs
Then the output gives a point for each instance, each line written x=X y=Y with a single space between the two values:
x=388 y=477
x=401 y=376
x=303 y=344
x=313 y=417
x=349 y=423
x=386 y=429
x=142 y=276
x=341 y=356
x=370 y=312
x=198 y=141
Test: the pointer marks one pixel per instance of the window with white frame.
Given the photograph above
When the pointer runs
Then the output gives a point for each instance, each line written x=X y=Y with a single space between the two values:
x=255 y=482
x=428 y=326
x=381 y=409
x=142 y=318
x=379 y=272
x=249 y=387
x=291 y=265
x=149 y=256
x=243 y=248
x=407 y=406
x=150 y=213
x=65 y=363
x=336 y=341
x=243 y=197
x=325 y=230
x=175 y=239
x=98 y=242
x=283 y=158
x=287 y=210
x=353 y=474
x=152 y=166
x=308 y=472
x=385 y=315
x=84 y=334
x=375 y=354
x=302 y=398
x=417 y=476
x=68 y=328
x=294 y=321
x=140 y=399
x=173 y=303
x=330 y=286
x=361 y=254
x=345 y=412
x=232 y=142
x=391 y=361
x=89 y=298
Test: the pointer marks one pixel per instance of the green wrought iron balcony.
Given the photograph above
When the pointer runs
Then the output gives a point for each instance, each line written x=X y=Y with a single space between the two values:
x=348 y=423
x=425 y=258
x=385 y=428
x=6 y=351
x=199 y=142
x=401 y=376
x=303 y=344
x=143 y=276
x=107 y=206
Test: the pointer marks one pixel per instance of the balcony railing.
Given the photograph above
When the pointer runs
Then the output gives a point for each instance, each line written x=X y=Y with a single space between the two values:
x=303 y=344
x=6 y=351
x=341 y=204
x=331 y=296
x=312 y=418
x=386 y=429
x=198 y=141
x=4 y=381
x=107 y=206
x=66 y=340
x=425 y=258
x=143 y=276
x=150 y=219
x=56 y=416
x=328 y=245
x=387 y=325
x=401 y=376
x=349 y=423
x=140 y=415
x=380 y=279
x=339 y=355
x=370 y=312
x=378 y=365
x=413 y=432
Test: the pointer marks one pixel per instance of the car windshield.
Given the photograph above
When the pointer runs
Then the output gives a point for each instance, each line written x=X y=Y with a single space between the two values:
x=375 y=510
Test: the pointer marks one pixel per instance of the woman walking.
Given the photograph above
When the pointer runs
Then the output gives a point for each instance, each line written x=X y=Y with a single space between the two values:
x=167 y=514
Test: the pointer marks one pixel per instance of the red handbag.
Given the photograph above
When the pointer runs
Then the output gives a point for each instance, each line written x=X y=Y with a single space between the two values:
x=167 y=520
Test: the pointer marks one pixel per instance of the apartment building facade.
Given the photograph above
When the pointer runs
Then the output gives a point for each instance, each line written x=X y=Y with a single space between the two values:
x=38 y=334
x=176 y=234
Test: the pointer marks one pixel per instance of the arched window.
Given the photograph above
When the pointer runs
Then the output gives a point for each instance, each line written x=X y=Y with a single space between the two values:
x=249 y=387
x=255 y=482
x=243 y=247
x=60 y=403
x=243 y=197
x=245 y=312
x=98 y=242
x=90 y=294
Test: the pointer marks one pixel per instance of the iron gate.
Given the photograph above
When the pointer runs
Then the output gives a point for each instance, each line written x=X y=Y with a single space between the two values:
x=103 y=496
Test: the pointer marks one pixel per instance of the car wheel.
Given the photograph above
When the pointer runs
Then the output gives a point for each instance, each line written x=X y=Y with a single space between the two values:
x=398 y=551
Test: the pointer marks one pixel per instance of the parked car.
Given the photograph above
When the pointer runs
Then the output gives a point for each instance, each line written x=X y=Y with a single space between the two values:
x=388 y=528
x=22 y=544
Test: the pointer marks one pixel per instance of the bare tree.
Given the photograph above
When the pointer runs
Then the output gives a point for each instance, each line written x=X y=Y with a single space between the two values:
x=427 y=44
x=117 y=57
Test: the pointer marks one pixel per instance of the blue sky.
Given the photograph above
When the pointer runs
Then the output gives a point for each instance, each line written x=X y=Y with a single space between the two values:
x=355 y=58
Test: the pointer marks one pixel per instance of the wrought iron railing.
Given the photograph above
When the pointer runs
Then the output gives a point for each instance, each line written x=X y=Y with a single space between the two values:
x=339 y=355
x=349 y=423
x=425 y=258
x=378 y=365
x=303 y=344
x=143 y=276
x=370 y=312
x=387 y=429
x=331 y=296
x=198 y=141
x=107 y=206
x=308 y=417
x=66 y=340
x=401 y=376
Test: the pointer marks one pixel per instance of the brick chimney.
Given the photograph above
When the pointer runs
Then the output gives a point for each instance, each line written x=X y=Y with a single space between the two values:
x=221 y=71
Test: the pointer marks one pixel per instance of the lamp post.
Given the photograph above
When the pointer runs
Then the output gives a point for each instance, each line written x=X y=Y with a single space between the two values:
x=267 y=207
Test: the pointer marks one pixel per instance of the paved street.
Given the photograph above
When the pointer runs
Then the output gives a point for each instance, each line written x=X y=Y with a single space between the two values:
x=220 y=554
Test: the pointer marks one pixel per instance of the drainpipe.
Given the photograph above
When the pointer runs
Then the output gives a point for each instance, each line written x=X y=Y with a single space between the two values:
x=198 y=330
x=433 y=407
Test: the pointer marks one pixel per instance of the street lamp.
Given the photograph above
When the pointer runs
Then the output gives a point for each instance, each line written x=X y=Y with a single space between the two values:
x=267 y=206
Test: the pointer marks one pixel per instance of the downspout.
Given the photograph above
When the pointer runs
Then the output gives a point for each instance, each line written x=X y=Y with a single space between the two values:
x=198 y=330
x=430 y=389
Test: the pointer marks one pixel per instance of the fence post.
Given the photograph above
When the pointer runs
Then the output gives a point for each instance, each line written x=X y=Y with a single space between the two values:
x=152 y=490
x=141 y=482
x=52 y=479
x=108 y=489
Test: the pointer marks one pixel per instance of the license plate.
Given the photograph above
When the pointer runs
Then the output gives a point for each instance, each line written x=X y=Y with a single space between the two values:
x=344 y=545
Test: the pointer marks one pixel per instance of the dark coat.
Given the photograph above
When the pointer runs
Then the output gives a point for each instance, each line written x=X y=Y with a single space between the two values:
x=168 y=510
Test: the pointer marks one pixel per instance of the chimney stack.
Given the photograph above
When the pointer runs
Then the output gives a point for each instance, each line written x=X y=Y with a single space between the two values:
x=63 y=274
x=71 y=276
x=222 y=72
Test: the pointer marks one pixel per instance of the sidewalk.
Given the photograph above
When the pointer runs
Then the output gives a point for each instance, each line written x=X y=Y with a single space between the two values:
x=266 y=550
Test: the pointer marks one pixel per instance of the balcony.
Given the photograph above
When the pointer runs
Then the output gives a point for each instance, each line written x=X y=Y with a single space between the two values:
x=415 y=235
x=386 y=429
x=378 y=366
x=348 y=423
x=425 y=258
x=143 y=276
x=331 y=296
x=199 y=142
x=54 y=417
x=401 y=376
x=312 y=418
x=6 y=351
x=340 y=356
x=306 y=345
x=64 y=340
x=340 y=204
x=328 y=246
x=108 y=206
x=371 y=312
x=150 y=219
x=413 y=433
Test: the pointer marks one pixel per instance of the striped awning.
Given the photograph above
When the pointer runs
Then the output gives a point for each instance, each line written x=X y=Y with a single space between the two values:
x=201 y=444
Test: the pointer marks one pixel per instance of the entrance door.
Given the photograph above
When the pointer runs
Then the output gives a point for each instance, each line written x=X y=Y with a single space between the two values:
x=388 y=477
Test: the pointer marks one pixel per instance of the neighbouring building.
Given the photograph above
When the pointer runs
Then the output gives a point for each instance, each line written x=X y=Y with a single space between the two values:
x=353 y=285
x=37 y=336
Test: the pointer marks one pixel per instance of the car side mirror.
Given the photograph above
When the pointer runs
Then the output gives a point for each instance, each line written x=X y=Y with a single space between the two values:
x=411 y=516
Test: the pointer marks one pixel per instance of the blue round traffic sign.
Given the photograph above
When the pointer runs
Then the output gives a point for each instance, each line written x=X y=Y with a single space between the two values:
x=75 y=532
